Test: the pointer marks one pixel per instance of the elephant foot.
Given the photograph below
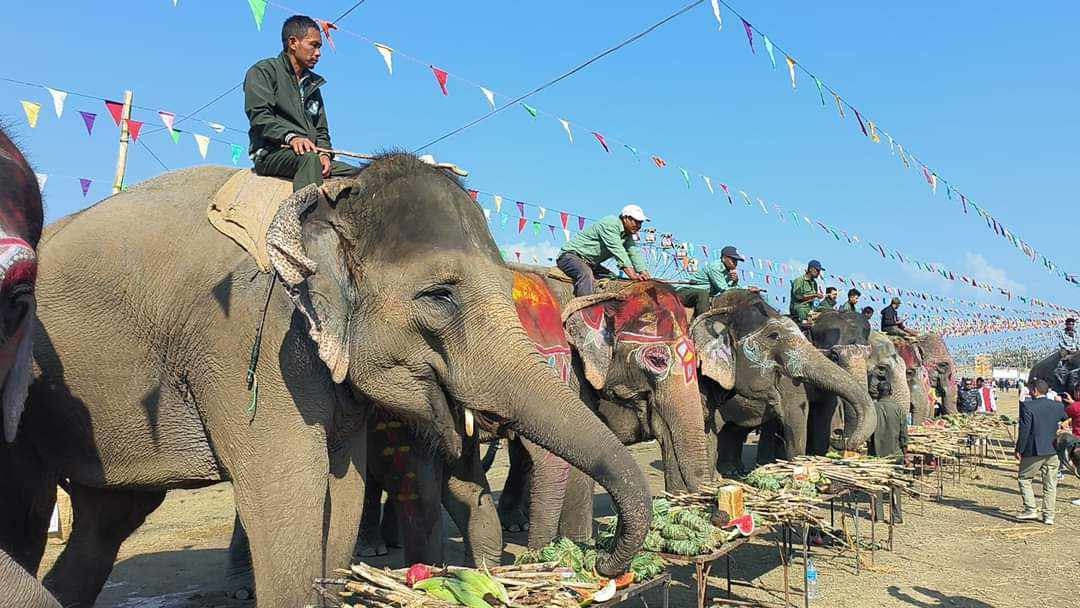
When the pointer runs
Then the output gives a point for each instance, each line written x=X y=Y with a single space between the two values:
x=374 y=550
x=514 y=520
x=240 y=584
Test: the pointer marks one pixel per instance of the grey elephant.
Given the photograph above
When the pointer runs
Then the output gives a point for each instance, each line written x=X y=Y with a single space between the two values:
x=917 y=378
x=941 y=370
x=757 y=368
x=391 y=292
x=21 y=218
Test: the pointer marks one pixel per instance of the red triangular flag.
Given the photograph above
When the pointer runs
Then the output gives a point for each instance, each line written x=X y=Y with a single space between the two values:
x=440 y=75
x=474 y=194
x=564 y=216
x=326 y=27
x=522 y=222
x=134 y=127
x=116 y=109
x=659 y=162
x=603 y=144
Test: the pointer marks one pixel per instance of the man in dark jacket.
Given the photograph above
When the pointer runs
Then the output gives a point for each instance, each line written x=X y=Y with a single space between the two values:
x=967 y=398
x=285 y=108
x=1039 y=420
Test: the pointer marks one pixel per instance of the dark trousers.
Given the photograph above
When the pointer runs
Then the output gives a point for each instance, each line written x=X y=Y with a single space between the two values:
x=581 y=272
x=698 y=299
x=894 y=330
x=304 y=170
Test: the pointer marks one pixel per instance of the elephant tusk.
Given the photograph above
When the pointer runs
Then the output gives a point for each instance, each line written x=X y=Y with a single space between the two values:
x=469 y=423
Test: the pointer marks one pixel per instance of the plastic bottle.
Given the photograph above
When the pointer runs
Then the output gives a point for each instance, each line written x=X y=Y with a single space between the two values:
x=812 y=589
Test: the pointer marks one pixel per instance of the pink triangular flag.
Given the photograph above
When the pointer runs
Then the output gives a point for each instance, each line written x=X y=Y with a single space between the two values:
x=134 y=127
x=167 y=119
x=440 y=75
x=116 y=109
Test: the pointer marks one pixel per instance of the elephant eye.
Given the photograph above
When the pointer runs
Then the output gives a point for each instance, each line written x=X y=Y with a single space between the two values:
x=774 y=335
x=440 y=294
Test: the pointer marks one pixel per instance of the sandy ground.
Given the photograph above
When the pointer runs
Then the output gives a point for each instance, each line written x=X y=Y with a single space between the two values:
x=965 y=551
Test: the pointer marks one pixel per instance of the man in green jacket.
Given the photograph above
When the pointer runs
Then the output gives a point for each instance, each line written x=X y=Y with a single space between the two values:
x=285 y=108
x=612 y=237
x=804 y=290
x=711 y=280
x=829 y=302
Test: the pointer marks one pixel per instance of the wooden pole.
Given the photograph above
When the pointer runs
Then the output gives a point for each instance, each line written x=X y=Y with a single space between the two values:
x=121 y=158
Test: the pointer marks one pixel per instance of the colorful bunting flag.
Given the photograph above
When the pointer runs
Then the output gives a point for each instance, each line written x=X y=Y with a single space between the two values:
x=633 y=151
x=566 y=125
x=32 y=110
x=489 y=95
x=498 y=202
x=168 y=119
x=708 y=183
x=791 y=70
x=237 y=151
x=41 y=179
x=861 y=125
x=88 y=120
x=85 y=185
x=659 y=162
x=440 y=76
x=203 y=142
x=563 y=217
x=749 y=34
x=58 y=98
x=536 y=228
x=873 y=132
x=839 y=104
x=531 y=110
x=820 y=90
x=521 y=208
x=769 y=49
x=522 y=222
x=727 y=193
x=685 y=176
x=540 y=213
x=580 y=223
x=175 y=135
x=326 y=26
x=218 y=128
x=716 y=13
x=258 y=10
x=603 y=144
x=387 y=54
x=474 y=195
x=116 y=110
x=134 y=127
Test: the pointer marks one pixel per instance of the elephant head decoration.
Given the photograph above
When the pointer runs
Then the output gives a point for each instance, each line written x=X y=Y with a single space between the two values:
x=917 y=379
x=941 y=370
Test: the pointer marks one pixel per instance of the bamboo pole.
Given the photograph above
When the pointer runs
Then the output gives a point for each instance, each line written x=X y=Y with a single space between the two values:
x=121 y=158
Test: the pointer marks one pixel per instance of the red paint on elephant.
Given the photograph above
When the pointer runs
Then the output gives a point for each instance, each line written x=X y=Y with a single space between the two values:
x=649 y=313
x=541 y=317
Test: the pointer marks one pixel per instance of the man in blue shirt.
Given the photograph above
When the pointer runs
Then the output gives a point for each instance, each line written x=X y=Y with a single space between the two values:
x=711 y=280
x=612 y=237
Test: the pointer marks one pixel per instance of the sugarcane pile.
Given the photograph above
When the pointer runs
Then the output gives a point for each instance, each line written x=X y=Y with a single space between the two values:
x=937 y=440
x=814 y=475
x=948 y=436
x=768 y=506
x=523 y=584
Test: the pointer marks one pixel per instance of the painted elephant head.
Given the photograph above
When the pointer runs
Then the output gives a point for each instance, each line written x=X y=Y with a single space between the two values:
x=436 y=344
x=843 y=336
x=746 y=346
x=918 y=381
x=20 y=229
x=886 y=367
x=636 y=351
x=941 y=370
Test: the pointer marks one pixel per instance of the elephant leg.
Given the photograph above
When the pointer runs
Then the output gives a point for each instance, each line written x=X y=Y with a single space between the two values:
x=102 y=520
x=819 y=425
x=467 y=498
x=772 y=445
x=513 y=502
x=729 y=448
x=390 y=532
x=21 y=588
x=577 y=513
x=414 y=505
x=27 y=497
x=345 y=492
x=547 y=491
x=370 y=542
x=239 y=578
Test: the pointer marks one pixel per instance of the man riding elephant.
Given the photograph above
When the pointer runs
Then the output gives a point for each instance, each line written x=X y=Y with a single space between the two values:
x=392 y=297
x=711 y=280
x=581 y=258
x=804 y=292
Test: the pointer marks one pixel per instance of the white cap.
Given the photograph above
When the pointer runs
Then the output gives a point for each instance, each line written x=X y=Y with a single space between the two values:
x=635 y=212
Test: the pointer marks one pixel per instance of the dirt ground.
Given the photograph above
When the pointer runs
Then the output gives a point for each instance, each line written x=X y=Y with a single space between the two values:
x=965 y=551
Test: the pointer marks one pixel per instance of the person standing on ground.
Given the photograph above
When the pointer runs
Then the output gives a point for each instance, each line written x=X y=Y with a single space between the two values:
x=890 y=440
x=611 y=237
x=891 y=323
x=711 y=280
x=1039 y=420
x=284 y=106
x=967 y=398
x=804 y=292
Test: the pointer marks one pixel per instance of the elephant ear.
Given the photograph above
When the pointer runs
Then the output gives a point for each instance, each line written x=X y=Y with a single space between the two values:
x=713 y=342
x=305 y=253
x=590 y=330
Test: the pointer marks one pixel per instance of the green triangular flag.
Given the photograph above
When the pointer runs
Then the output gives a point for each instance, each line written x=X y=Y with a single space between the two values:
x=237 y=152
x=258 y=10
x=536 y=228
x=175 y=136
x=820 y=89
x=685 y=176
x=531 y=110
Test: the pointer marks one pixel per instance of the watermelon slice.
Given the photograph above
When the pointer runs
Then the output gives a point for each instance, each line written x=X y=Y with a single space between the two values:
x=744 y=524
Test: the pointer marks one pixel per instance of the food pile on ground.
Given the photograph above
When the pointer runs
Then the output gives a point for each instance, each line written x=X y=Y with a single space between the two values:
x=553 y=582
x=813 y=475
x=946 y=437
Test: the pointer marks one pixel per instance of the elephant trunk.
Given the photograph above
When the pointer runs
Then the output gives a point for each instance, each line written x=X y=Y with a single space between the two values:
x=536 y=405
x=18 y=271
x=948 y=390
x=681 y=433
x=860 y=419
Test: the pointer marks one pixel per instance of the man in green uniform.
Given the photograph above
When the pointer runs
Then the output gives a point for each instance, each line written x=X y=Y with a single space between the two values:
x=285 y=107
x=890 y=439
x=804 y=291
x=829 y=302
x=711 y=280
x=852 y=304
x=611 y=237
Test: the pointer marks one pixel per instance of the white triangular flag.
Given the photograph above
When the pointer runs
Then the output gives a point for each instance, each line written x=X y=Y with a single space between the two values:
x=387 y=55
x=217 y=127
x=41 y=179
x=487 y=213
x=569 y=133
x=204 y=143
x=490 y=96
x=498 y=203
x=167 y=119
x=542 y=213
x=566 y=233
x=716 y=11
x=708 y=183
x=58 y=98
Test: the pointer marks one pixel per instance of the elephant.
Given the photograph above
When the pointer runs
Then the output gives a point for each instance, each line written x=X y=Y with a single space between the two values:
x=757 y=370
x=941 y=369
x=21 y=220
x=886 y=367
x=844 y=336
x=917 y=379
x=392 y=295
x=1047 y=369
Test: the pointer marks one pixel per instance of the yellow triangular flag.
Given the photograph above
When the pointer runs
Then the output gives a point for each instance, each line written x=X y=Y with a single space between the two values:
x=498 y=203
x=791 y=70
x=204 y=143
x=387 y=55
x=873 y=132
x=839 y=105
x=32 y=109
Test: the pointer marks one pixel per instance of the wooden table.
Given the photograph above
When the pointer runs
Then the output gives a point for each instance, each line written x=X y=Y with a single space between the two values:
x=635 y=590
x=703 y=565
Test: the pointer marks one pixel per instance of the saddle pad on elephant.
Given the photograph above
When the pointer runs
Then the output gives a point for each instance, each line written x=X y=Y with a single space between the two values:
x=556 y=274
x=243 y=209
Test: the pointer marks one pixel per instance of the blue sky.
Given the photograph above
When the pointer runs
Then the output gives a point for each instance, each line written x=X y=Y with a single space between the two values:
x=981 y=92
